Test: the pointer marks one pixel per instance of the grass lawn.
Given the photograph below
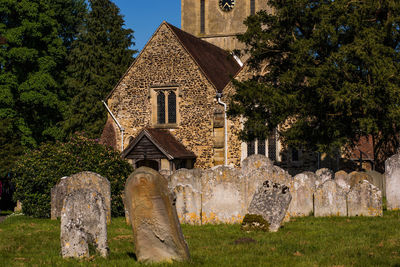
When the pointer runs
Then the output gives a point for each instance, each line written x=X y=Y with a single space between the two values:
x=336 y=241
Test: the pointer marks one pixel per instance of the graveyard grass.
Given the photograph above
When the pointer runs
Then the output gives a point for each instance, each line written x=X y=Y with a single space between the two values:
x=308 y=241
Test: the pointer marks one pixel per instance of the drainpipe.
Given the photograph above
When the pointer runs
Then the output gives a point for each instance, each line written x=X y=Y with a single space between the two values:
x=119 y=125
x=219 y=95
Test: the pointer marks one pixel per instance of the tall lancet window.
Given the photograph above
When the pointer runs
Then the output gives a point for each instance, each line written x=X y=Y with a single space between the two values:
x=252 y=7
x=202 y=16
x=171 y=107
x=160 y=107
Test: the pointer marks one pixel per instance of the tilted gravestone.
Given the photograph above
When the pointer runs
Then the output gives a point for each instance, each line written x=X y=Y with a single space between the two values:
x=392 y=177
x=83 y=223
x=364 y=199
x=330 y=200
x=302 y=191
x=156 y=230
x=271 y=201
x=82 y=180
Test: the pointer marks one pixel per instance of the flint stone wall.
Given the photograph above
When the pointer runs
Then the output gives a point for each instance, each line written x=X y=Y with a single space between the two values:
x=392 y=176
x=82 y=180
x=83 y=222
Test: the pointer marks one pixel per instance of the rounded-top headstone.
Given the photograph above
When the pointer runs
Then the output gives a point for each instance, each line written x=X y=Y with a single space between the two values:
x=254 y=162
x=157 y=233
x=323 y=175
x=392 y=176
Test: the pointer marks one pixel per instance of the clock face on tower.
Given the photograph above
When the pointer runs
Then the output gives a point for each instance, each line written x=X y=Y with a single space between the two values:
x=226 y=5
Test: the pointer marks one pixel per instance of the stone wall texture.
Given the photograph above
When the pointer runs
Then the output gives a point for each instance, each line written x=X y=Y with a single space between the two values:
x=165 y=63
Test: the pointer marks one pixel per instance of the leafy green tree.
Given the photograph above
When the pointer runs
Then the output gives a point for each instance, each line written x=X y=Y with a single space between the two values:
x=35 y=36
x=99 y=57
x=36 y=172
x=333 y=73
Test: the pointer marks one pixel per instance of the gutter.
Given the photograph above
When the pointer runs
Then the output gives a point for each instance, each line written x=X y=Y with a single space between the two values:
x=119 y=125
x=219 y=95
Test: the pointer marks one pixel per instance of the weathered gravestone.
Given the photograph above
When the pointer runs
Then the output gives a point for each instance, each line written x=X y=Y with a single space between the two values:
x=357 y=177
x=302 y=191
x=271 y=201
x=330 y=200
x=364 y=199
x=392 y=176
x=378 y=179
x=186 y=184
x=83 y=223
x=156 y=230
x=82 y=180
x=223 y=195
x=342 y=180
x=323 y=175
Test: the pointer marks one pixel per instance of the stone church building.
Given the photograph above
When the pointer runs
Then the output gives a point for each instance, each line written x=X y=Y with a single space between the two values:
x=167 y=111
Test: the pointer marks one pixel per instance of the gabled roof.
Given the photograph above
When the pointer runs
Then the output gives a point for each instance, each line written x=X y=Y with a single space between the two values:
x=217 y=64
x=164 y=141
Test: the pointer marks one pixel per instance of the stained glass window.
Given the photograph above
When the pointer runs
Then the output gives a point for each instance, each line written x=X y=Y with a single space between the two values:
x=160 y=108
x=171 y=107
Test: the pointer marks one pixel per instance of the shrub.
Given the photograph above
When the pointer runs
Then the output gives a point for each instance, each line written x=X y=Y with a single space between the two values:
x=36 y=172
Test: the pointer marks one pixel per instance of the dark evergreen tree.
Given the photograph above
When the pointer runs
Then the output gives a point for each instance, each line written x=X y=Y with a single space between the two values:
x=34 y=37
x=99 y=57
x=333 y=73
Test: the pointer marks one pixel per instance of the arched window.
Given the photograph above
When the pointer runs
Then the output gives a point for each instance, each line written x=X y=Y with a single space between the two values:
x=160 y=107
x=171 y=107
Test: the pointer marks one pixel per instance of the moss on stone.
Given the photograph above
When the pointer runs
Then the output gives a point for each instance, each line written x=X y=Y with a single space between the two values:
x=254 y=222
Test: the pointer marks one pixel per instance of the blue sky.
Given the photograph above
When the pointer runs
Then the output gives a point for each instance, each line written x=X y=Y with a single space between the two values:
x=144 y=16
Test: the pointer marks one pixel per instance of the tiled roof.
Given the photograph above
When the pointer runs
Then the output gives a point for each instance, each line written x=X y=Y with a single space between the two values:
x=363 y=149
x=218 y=65
x=164 y=141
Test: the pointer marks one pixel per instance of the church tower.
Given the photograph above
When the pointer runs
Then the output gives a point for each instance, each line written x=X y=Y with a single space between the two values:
x=218 y=21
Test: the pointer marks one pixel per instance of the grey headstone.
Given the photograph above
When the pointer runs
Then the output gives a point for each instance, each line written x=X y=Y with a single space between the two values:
x=82 y=180
x=364 y=199
x=271 y=201
x=302 y=191
x=330 y=200
x=83 y=222
x=156 y=230
x=223 y=195
x=378 y=179
x=392 y=176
